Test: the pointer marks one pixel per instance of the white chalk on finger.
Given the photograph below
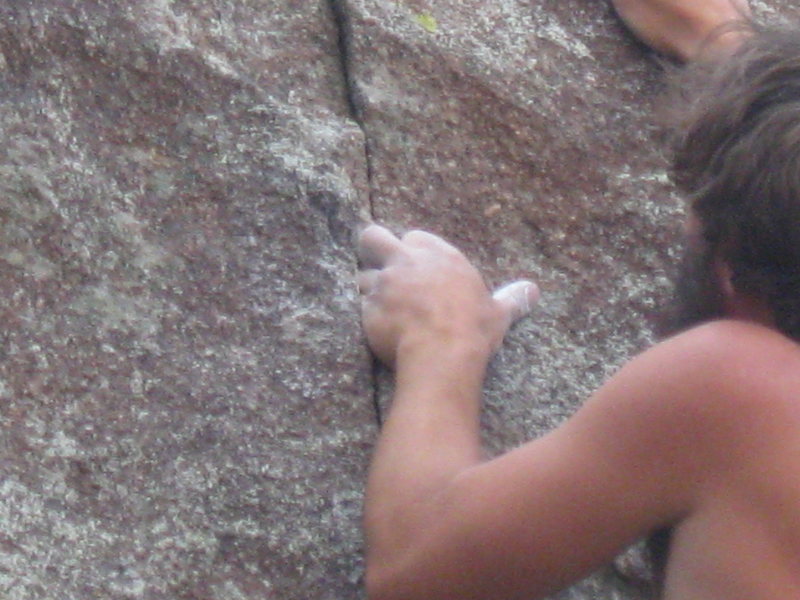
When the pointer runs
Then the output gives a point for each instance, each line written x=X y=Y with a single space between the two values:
x=517 y=298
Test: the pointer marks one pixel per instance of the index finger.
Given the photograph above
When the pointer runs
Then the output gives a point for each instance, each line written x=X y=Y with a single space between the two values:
x=376 y=245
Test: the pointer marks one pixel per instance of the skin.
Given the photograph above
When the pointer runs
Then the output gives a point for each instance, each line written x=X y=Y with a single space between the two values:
x=666 y=441
x=700 y=432
x=687 y=29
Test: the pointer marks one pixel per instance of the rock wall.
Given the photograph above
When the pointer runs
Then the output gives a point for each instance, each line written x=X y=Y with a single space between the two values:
x=186 y=404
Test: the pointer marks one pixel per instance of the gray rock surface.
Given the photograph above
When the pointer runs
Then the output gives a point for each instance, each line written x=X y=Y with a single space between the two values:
x=186 y=405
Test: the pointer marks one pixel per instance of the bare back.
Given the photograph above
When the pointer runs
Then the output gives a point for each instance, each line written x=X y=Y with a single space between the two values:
x=742 y=536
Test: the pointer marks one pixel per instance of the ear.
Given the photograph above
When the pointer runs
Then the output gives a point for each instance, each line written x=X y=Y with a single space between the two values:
x=724 y=275
x=733 y=303
x=738 y=305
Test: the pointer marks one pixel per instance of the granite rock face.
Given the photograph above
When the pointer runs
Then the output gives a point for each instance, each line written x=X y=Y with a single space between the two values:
x=186 y=403
x=187 y=407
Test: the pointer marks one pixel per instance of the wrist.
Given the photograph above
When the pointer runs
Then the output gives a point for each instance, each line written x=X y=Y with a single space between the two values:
x=444 y=355
x=441 y=377
x=469 y=345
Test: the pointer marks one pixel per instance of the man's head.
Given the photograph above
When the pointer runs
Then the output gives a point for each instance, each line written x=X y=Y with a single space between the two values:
x=739 y=161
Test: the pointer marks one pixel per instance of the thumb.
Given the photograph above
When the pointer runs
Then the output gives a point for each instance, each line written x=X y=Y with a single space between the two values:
x=517 y=299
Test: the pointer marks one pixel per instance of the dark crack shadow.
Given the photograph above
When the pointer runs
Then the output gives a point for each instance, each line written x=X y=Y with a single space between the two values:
x=354 y=101
x=355 y=105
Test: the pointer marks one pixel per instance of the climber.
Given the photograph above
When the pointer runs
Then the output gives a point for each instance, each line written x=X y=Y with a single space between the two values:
x=699 y=435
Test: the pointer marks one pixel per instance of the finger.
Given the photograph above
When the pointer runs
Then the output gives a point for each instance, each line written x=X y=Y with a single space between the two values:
x=377 y=245
x=418 y=237
x=367 y=281
x=517 y=299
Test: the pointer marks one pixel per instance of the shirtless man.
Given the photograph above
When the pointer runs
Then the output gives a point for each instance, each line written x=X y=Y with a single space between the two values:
x=699 y=434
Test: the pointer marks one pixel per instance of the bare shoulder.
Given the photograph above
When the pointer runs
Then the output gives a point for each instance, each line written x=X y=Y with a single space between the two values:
x=752 y=371
x=718 y=352
x=703 y=383
x=712 y=384
x=730 y=357
x=687 y=408
x=728 y=335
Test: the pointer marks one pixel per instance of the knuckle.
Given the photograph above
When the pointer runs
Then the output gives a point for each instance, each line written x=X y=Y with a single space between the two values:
x=368 y=235
x=415 y=236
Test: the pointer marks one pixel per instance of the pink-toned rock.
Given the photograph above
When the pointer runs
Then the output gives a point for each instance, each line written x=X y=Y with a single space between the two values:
x=187 y=405
x=526 y=133
x=186 y=402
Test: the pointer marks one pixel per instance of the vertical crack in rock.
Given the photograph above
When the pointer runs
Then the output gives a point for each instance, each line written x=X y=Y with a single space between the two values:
x=341 y=19
x=353 y=101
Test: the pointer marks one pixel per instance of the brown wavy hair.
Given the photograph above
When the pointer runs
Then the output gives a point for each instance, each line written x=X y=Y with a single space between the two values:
x=737 y=156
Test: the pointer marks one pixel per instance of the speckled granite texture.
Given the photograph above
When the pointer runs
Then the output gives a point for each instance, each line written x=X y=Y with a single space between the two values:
x=186 y=404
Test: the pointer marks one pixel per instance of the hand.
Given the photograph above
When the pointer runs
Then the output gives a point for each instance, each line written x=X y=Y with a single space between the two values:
x=420 y=290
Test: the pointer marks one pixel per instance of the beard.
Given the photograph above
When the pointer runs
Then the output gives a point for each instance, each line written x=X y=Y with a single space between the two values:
x=697 y=296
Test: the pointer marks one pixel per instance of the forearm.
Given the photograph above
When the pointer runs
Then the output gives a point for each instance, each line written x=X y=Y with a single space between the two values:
x=426 y=311
x=431 y=434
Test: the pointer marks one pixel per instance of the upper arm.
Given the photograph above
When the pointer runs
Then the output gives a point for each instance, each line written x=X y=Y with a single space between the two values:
x=535 y=519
